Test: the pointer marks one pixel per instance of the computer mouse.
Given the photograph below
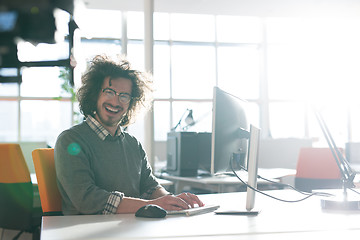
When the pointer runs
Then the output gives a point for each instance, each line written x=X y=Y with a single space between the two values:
x=151 y=211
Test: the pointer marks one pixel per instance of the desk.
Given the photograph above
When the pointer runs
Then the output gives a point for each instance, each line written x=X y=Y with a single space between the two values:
x=277 y=220
x=224 y=183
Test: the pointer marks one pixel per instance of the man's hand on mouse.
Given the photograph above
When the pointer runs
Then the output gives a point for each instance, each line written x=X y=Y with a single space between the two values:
x=178 y=202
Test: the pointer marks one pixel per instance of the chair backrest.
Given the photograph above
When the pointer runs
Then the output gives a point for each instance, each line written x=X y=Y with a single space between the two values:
x=317 y=169
x=46 y=176
x=13 y=166
x=27 y=148
x=16 y=190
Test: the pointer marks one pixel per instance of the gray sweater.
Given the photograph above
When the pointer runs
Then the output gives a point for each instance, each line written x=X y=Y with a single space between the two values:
x=90 y=169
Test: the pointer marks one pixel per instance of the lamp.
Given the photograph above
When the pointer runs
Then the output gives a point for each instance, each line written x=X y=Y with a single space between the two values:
x=189 y=120
x=347 y=174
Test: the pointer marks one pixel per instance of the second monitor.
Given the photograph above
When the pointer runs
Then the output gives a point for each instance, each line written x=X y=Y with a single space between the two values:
x=230 y=131
x=190 y=152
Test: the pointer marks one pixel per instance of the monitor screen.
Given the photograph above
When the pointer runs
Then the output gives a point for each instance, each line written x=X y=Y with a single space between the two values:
x=229 y=132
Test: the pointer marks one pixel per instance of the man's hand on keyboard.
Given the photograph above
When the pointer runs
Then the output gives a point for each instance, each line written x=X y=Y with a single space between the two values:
x=190 y=199
x=178 y=202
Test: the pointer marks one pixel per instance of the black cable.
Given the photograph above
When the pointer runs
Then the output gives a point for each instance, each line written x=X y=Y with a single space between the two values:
x=354 y=190
x=297 y=190
x=292 y=187
x=278 y=183
x=308 y=195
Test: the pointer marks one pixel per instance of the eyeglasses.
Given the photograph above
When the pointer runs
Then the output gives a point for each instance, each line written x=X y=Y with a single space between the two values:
x=123 y=97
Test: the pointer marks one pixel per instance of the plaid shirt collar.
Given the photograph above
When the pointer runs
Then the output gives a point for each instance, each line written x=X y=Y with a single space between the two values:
x=100 y=130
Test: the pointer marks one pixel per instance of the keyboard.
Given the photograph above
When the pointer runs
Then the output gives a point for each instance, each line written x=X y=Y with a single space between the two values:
x=195 y=210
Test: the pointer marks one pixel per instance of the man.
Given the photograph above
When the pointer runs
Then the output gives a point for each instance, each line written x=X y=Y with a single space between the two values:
x=100 y=168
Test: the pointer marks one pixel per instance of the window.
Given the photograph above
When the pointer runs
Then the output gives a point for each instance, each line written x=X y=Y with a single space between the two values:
x=9 y=117
x=193 y=71
x=192 y=27
x=312 y=64
x=32 y=110
x=284 y=68
x=239 y=70
x=189 y=62
x=97 y=23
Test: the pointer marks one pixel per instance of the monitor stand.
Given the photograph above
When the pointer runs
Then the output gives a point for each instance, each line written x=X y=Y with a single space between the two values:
x=253 y=150
x=252 y=212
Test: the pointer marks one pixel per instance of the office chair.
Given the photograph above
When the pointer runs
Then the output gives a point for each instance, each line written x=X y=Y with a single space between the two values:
x=17 y=211
x=45 y=173
x=317 y=169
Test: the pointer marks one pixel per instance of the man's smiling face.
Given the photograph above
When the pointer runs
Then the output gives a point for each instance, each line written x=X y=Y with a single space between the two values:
x=110 y=110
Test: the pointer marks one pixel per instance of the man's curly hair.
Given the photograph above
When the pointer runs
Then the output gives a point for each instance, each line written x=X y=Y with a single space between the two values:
x=103 y=66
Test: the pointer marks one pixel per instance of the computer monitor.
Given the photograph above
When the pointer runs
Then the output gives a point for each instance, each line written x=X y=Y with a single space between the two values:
x=229 y=132
x=252 y=166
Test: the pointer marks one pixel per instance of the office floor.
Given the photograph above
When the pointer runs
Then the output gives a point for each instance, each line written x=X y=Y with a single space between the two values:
x=6 y=234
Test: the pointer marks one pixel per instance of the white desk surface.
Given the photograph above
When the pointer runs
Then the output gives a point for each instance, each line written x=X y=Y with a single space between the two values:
x=277 y=220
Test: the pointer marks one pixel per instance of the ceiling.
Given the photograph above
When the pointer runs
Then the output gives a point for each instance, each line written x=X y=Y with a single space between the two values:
x=263 y=8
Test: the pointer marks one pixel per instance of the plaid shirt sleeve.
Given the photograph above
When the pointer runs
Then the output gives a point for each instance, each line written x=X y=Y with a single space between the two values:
x=113 y=202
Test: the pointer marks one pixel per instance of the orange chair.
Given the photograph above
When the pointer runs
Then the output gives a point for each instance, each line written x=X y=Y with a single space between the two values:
x=50 y=197
x=17 y=209
x=317 y=169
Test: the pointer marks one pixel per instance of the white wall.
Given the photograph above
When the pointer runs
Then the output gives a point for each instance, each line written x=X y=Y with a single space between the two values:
x=281 y=153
